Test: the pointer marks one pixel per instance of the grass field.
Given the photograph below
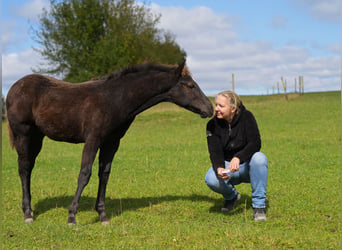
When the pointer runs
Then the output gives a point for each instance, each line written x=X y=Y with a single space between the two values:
x=156 y=195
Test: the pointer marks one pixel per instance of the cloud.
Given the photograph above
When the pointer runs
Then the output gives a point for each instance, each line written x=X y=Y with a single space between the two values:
x=18 y=57
x=215 y=52
x=279 y=21
x=17 y=65
x=16 y=30
x=8 y=34
x=327 y=10
x=31 y=9
x=192 y=25
x=334 y=48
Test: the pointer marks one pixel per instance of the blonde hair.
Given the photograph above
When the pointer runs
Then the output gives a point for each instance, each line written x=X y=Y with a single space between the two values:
x=233 y=99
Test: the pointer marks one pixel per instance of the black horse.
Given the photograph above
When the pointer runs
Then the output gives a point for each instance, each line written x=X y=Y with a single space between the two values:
x=96 y=113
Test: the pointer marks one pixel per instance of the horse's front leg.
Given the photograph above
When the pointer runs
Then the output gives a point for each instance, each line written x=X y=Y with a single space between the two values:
x=107 y=152
x=88 y=156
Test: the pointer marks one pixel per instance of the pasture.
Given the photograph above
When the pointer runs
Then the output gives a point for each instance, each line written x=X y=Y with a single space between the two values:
x=156 y=196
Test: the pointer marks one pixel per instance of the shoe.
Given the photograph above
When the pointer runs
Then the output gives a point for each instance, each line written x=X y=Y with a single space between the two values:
x=259 y=214
x=230 y=204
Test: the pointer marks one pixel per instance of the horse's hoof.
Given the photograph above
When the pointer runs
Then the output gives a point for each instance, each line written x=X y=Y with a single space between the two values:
x=71 y=221
x=104 y=220
x=105 y=223
x=28 y=220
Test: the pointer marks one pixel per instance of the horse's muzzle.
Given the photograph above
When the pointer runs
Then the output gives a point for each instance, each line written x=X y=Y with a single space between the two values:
x=207 y=114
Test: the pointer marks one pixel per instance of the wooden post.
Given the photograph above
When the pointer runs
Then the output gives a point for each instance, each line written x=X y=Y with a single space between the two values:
x=295 y=85
x=284 y=87
x=301 y=85
x=278 y=87
x=233 y=83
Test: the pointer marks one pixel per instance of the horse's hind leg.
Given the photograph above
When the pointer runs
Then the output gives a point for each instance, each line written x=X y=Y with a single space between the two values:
x=28 y=147
x=107 y=152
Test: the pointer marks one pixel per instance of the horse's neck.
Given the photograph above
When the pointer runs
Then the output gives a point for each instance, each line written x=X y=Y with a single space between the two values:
x=151 y=93
x=148 y=104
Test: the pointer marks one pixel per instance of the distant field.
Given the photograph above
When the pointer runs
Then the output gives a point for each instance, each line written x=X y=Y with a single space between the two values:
x=156 y=195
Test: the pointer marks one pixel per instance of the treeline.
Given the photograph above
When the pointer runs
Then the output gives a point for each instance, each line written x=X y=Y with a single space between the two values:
x=83 y=39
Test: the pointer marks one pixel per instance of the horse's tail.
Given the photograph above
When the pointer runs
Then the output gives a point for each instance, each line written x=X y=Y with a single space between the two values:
x=10 y=135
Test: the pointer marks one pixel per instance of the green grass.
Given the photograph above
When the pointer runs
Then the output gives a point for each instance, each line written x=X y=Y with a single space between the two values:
x=156 y=195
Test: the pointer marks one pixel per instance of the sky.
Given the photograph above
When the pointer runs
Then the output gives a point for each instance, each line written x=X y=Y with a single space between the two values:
x=257 y=41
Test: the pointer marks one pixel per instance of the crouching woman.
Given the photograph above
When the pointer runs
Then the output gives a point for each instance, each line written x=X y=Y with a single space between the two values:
x=234 y=146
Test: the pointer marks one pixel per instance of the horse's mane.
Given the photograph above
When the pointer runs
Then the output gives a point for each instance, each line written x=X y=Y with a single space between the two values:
x=144 y=67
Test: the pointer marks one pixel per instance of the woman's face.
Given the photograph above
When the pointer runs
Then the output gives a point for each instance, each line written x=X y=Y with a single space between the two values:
x=223 y=110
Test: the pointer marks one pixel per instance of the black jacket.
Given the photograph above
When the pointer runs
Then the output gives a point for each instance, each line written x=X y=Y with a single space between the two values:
x=241 y=138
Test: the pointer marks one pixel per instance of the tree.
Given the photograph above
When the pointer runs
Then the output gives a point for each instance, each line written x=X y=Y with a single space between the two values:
x=82 y=39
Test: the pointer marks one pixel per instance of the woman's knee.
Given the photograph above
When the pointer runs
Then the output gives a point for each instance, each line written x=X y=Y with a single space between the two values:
x=259 y=160
x=211 y=178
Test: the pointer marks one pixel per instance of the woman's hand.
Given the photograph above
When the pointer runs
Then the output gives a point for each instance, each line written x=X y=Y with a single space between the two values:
x=223 y=176
x=234 y=164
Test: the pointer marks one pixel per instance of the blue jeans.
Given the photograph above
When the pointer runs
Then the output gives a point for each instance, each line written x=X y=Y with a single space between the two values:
x=255 y=172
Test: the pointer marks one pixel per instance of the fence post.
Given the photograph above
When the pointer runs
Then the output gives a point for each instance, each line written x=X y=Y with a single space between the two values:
x=278 y=88
x=302 y=84
x=284 y=87
x=233 y=83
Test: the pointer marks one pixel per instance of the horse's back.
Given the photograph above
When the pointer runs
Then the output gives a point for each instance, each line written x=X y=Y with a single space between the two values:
x=29 y=87
x=56 y=108
x=29 y=94
x=23 y=93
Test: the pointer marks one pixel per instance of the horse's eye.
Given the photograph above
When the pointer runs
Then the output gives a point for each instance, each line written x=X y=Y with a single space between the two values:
x=190 y=85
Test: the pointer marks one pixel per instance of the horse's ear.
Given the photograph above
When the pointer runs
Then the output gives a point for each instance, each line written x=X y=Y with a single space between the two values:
x=180 y=67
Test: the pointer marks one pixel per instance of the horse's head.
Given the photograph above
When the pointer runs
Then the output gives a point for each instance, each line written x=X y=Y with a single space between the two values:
x=186 y=93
